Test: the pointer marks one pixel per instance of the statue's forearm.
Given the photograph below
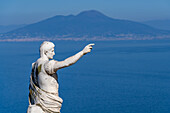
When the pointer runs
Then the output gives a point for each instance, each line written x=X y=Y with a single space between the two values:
x=69 y=61
x=73 y=59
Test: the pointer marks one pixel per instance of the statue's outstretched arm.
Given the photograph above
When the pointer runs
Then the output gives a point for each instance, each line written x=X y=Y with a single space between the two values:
x=73 y=59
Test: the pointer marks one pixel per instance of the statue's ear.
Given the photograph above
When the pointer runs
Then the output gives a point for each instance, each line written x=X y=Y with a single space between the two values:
x=45 y=52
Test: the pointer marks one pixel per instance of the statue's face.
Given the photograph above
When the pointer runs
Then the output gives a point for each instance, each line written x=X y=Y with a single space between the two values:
x=50 y=53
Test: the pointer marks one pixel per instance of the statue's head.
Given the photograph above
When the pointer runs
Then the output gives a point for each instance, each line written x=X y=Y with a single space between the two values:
x=47 y=49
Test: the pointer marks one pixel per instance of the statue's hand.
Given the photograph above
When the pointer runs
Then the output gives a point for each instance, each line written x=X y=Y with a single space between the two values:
x=88 y=48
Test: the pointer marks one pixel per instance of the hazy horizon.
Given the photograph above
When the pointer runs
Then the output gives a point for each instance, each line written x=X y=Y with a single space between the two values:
x=14 y=12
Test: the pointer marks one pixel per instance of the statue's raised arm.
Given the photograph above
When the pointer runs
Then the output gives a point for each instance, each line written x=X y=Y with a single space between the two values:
x=73 y=59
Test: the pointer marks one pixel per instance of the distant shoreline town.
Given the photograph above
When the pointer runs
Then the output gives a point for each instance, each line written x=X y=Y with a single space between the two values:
x=83 y=39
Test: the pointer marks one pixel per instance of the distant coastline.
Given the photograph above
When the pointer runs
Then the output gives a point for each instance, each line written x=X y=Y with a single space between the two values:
x=83 y=39
x=88 y=25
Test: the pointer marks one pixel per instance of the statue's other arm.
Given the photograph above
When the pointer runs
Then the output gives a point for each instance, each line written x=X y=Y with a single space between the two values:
x=73 y=59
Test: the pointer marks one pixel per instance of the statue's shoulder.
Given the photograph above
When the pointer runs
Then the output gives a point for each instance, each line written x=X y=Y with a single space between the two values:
x=50 y=63
x=49 y=66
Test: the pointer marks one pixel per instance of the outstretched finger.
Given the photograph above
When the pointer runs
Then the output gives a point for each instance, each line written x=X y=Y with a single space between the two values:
x=91 y=44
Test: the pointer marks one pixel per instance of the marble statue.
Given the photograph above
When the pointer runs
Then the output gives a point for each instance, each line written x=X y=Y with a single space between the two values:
x=43 y=89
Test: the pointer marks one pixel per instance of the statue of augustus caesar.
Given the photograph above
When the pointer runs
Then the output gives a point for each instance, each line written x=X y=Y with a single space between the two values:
x=43 y=88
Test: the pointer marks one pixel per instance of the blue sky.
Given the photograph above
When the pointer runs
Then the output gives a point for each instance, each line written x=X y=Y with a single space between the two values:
x=30 y=11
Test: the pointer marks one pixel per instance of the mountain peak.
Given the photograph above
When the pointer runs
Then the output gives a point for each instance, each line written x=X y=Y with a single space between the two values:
x=86 y=24
x=91 y=13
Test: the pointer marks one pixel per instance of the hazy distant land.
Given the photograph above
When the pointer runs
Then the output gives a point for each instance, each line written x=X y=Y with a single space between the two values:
x=88 y=25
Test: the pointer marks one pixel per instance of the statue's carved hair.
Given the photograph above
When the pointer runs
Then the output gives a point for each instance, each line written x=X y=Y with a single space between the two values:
x=46 y=46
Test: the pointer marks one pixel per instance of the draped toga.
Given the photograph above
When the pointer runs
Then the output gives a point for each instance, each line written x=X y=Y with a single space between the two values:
x=48 y=102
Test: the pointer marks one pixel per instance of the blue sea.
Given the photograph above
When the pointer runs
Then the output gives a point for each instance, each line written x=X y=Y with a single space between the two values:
x=116 y=77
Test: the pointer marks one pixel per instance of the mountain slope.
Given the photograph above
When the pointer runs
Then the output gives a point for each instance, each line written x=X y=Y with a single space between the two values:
x=7 y=28
x=86 y=24
x=160 y=24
